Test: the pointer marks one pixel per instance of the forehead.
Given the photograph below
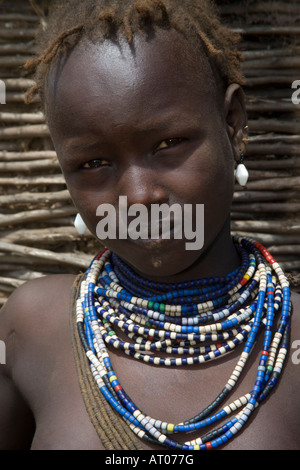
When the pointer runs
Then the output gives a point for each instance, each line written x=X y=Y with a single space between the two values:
x=166 y=61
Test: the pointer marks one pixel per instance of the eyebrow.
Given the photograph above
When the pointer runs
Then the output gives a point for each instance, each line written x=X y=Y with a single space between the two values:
x=184 y=121
x=85 y=146
x=80 y=145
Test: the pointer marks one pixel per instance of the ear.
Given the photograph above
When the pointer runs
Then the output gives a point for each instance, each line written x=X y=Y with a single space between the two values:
x=236 y=118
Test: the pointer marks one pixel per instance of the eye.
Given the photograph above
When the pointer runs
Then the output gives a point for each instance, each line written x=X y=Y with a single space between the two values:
x=92 y=164
x=169 y=143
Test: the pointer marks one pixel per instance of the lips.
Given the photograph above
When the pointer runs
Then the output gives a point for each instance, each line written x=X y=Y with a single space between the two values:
x=162 y=229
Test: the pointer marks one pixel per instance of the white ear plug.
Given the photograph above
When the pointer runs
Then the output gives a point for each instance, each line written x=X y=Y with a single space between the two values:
x=79 y=224
x=241 y=173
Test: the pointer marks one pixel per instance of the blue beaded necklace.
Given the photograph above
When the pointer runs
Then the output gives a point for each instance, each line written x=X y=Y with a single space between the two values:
x=186 y=323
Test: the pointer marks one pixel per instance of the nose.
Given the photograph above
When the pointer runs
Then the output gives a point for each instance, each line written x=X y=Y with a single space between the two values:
x=142 y=185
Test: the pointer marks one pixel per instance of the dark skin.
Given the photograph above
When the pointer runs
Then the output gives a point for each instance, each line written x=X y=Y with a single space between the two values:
x=109 y=133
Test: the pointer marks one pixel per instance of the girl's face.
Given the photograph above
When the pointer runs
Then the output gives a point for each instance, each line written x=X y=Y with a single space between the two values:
x=148 y=123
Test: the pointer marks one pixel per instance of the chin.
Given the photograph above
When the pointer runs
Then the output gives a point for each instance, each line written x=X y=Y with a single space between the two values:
x=156 y=259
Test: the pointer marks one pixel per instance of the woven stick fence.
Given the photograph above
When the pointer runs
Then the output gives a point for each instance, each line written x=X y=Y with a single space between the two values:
x=37 y=236
x=269 y=207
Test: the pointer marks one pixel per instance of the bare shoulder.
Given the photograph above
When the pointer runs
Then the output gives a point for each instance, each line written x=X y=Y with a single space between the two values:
x=36 y=303
x=32 y=294
x=32 y=324
x=42 y=287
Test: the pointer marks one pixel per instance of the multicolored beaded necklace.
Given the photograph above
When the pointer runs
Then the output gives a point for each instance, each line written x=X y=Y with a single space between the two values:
x=191 y=322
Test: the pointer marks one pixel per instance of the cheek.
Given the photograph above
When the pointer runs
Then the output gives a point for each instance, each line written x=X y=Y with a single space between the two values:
x=211 y=182
x=219 y=198
x=208 y=178
x=86 y=201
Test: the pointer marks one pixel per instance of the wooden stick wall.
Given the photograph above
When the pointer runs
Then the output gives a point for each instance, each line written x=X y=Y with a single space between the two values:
x=37 y=236
x=269 y=207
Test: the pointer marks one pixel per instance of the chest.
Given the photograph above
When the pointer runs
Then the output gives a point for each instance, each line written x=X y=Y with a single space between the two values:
x=172 y=396
x=46 y=375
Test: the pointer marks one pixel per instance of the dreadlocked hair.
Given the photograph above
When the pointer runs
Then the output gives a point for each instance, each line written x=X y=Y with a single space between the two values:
x=70 y=21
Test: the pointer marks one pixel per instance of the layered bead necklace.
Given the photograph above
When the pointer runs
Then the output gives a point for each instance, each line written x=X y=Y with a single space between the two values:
x=186 y=323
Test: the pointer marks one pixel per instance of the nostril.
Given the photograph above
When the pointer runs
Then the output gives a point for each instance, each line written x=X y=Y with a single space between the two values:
x=142 y=186
x=146 y=220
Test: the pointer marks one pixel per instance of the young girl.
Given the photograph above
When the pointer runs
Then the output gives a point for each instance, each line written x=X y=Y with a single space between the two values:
x=163 y=347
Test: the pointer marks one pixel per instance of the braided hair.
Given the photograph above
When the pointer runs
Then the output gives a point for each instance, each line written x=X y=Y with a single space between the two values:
x=70 y=21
